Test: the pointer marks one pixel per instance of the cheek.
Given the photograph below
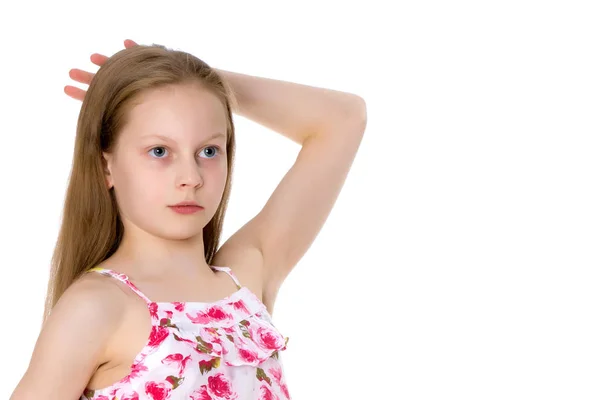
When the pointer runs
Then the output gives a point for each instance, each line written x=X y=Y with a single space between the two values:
x=146 y=186
x=139 y=187
x=211 y=191
x=219 y=177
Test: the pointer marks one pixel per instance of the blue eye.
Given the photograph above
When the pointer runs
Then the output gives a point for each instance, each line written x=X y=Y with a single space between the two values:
x=216 y=151
x=152 y=150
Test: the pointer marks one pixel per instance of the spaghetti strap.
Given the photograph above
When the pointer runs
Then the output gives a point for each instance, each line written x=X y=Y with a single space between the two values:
x=123 y=278
x=228 y=271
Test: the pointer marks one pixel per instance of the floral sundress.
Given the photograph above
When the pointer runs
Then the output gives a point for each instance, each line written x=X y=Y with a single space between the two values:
x=224 y=350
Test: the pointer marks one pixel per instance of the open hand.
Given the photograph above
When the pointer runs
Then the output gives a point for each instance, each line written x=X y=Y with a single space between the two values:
x=86 y=77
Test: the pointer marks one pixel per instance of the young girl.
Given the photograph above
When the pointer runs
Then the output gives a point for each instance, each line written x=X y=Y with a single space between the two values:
x=142 y=301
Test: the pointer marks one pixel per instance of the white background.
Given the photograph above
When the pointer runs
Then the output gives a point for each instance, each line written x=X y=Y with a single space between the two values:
x=461 y=259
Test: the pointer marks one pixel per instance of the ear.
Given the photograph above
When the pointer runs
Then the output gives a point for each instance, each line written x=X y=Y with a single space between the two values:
x=107 y=162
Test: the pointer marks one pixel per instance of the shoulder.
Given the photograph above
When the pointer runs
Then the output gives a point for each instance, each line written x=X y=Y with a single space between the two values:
x=84 y=318
x=245 y=262
x=96 y=292
x=90 y=304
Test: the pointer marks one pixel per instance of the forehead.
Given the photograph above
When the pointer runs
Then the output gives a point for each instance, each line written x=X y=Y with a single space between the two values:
x=177 y=111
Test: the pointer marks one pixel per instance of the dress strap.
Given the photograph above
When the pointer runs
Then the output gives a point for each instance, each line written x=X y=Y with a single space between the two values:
x=228 y=271
x=123 y=278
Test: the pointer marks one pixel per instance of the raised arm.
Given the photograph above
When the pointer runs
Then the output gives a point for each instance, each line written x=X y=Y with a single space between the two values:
x=329 y=125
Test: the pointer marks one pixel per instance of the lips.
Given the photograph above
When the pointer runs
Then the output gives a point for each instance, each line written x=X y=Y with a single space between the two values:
x=187 y=203
x=186 y=209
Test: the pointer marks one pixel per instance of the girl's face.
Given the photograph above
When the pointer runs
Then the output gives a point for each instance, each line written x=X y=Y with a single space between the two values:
x=172 y=149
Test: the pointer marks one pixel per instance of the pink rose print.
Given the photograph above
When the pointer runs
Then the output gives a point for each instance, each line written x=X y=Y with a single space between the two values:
x=181 y=339
x=219 y=339
x=239 y=305
x=276 y=372
x=208 y=344
x=228 y=329
x=266 y=338
x=211 y=335
x=220 y=388
x=177 y=359
x=201 y=346
x=197 y=346
x=201 y=394
x=278 y=375
x=136 y=370
x=248 y=355
x=284 y=390
x=153 y=307
x=213 y=314
x=218 y=314
x=157 y=391
x=266 y=394
x=211 y=330
x=158 y=335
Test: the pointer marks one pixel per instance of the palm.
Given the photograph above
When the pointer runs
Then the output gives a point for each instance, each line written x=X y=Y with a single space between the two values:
x=86 y=77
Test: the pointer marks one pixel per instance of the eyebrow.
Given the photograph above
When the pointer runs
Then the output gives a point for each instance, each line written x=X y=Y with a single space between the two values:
x=168 y=139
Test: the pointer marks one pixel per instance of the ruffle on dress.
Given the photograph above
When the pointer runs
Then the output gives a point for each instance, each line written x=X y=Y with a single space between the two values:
x=235 y=331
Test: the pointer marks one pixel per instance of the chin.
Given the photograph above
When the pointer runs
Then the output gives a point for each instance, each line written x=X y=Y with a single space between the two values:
x=183 y=234
x=177 y=230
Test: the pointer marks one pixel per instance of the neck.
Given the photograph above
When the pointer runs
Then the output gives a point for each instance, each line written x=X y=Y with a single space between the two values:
x=149 y=256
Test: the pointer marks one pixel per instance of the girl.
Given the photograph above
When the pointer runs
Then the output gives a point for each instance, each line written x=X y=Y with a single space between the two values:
x=142 y=302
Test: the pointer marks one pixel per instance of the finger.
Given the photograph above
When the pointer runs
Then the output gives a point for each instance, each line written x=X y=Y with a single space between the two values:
x=76 y=93
x=98 y=59
x=130 y=43
x=81 y=76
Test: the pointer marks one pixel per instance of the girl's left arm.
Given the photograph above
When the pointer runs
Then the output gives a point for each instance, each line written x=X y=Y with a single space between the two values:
x=330 y=126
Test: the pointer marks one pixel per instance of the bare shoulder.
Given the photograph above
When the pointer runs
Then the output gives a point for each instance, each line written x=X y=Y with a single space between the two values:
x=97 y=293
x=84 y=318
x=242 y=254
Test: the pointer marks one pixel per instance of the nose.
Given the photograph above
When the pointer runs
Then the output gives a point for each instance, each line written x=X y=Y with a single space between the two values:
x=189 y=174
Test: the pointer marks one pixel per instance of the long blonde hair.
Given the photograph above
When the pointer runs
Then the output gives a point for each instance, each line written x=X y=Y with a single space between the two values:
x=91 y=227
